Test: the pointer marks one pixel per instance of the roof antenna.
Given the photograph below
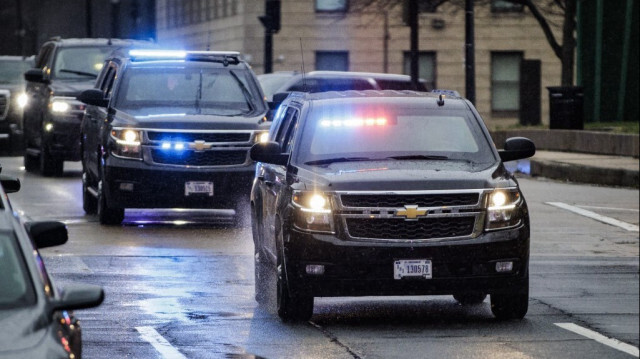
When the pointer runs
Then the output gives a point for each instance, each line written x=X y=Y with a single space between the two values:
x=304 y=81
x=441 y=100
x=209 y=40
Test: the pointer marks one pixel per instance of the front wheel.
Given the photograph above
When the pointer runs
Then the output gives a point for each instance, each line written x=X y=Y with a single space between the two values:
x=49 y=166
x=513 y=304
x=106 y=214
x=89 y=202
x=30 y=162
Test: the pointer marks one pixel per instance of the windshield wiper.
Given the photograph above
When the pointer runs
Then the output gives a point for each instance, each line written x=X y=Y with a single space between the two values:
x=81 y=73
x=419 y=157
x=327 y=161
x=245 y=91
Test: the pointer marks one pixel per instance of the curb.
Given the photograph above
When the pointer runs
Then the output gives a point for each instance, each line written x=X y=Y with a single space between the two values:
x=585 y=174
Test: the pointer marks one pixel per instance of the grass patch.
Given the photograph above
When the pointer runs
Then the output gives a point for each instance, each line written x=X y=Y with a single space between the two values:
x=615 y=127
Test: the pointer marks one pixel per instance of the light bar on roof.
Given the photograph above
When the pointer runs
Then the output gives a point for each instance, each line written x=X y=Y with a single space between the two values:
x=173 y=54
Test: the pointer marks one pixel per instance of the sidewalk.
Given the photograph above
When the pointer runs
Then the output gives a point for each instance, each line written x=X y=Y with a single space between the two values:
x=585 y=168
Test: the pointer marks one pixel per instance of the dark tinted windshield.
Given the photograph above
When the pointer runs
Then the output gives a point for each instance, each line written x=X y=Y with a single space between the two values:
x=387 y=84
x=82 y=63
x=15 y=286
x=391 y=129
x=331 y=84
x=11 y=72
x=189 y=90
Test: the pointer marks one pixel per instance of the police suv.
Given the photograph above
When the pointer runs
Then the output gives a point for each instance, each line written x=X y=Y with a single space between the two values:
x=368 y=193
x=170 y=129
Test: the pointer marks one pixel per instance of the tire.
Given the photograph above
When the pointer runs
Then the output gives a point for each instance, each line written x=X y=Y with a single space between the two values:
x=107 y=215
x=30 y=163
x=290 y=308
x=511 y=305
x=242 y=216
x=49 y=166
x=470 y=298
x=89 y=202
x=260 y=270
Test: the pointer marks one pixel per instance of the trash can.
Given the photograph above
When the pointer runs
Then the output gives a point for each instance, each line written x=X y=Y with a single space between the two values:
x=566 y=107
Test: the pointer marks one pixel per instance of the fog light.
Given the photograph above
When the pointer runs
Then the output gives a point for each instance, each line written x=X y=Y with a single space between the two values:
x=315 y=269
x=503 y=267
x=126 y=186
x=48 y=127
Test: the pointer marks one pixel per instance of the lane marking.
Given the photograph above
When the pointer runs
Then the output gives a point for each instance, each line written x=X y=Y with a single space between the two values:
x=612 y=208
x=583 y=212
x=613 y=343
x=161 y=344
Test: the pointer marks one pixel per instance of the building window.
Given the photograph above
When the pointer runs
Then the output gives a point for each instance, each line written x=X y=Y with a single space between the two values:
x=331 y=5
x=426 y=67
x=332 y=60
x=505 y=81
x=505 y=6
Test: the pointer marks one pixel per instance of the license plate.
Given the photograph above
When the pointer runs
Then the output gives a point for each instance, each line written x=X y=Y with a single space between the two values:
x=412 y=268
x=198 y=187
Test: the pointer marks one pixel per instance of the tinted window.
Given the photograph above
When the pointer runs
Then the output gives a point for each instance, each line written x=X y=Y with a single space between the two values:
x=392 y=129
x=80 y=62
x=332 y=84
x=15 y=286
x=189 y=89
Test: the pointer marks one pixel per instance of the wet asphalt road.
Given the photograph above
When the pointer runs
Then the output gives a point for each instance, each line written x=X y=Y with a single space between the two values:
x=180 y=284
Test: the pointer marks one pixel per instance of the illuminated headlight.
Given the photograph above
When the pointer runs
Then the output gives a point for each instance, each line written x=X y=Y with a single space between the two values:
x=22 y=100
x=262 y=137
x=62 y=105
x=503 y=209
x=312 y=212
x=127 y=143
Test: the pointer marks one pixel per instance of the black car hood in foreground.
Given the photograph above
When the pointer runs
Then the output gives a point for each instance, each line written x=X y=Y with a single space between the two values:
x=187 y=122
x=70 y=88
x=405 y=176
x=21 y=329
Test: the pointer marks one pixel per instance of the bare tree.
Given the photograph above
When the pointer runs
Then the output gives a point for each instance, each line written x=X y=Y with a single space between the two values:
x=544 y=11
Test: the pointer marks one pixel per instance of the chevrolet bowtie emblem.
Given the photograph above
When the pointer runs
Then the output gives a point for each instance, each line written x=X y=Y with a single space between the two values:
x=199 y=145
x=410 y=212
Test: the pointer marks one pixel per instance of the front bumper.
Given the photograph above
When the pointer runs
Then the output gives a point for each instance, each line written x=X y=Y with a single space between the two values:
x=367 y=269
x=164 y=187
x=63 y=139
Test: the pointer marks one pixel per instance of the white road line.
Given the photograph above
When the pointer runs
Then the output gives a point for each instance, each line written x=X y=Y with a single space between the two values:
x=608 y=220
x=614 y=343
x=161 y=344
x=612 y=208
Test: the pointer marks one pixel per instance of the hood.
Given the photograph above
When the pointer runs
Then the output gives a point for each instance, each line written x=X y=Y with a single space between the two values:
x=70 y=88
x=187 y=122
x=19 y=329
x=405 y=176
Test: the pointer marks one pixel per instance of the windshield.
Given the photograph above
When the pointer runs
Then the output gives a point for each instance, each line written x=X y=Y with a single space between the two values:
x=11 y=72
x=15 y=290
x=189 y=90
x=80 y=63
x=396 y=131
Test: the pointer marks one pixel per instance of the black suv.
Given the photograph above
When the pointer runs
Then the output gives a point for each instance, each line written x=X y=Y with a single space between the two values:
x=170 y=129
x=12 y=100
x=63 y=69
x=366 y=193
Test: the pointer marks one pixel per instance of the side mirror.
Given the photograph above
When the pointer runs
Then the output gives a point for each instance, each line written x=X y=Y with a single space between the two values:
x=79 y=296
x=93 y=97
x=10 y=184
x=517 y=148
x=47 y=233
x=268 y=152
x=35 y=75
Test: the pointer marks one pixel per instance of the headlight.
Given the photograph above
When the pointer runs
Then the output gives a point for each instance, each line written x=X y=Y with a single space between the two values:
x=62 y=105
x=503 y=209
x=312 y=212
x=127 y=143
x=22 y=100
x=262 y=137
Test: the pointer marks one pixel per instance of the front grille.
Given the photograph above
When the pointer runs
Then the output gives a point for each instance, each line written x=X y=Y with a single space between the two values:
x=4 y=104
x=399 y=229
x=197 y=136
x=399 y=200
x=205 y=158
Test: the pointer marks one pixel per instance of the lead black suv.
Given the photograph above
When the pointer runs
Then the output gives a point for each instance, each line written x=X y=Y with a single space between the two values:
x=367 y=193
x=170 y=129
x=52 y=116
